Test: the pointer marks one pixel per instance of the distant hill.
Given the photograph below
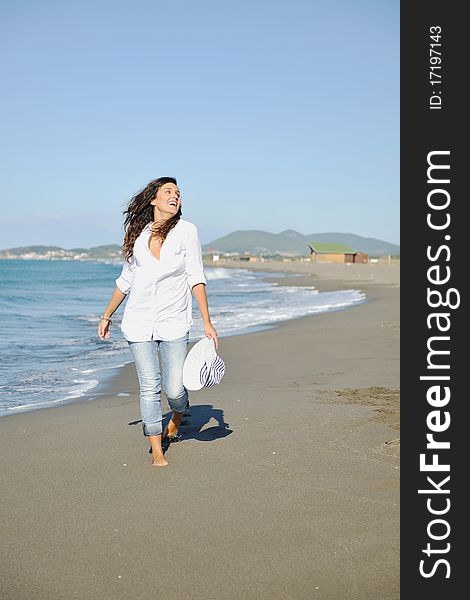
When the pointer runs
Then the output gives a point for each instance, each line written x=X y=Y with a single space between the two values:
x=293 y=243
x=286 y=243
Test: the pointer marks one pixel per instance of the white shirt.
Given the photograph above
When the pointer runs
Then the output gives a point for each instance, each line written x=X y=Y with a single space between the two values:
x=159 y=304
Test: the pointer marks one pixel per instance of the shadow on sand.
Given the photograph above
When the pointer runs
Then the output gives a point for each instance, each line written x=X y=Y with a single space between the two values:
x=193 y=425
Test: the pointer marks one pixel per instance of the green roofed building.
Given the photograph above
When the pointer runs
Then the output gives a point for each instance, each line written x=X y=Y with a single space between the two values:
x=338 y=253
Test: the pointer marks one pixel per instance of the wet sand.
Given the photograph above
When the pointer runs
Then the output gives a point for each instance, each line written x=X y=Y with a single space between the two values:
x=286 y=485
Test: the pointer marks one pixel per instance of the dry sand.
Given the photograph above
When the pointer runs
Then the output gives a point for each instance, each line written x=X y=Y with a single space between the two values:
x=286 y=485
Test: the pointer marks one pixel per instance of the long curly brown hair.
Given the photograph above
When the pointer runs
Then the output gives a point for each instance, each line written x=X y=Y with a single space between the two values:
x=139 y=212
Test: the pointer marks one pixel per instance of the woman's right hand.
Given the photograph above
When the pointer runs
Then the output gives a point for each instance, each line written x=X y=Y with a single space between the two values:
x=103 y=329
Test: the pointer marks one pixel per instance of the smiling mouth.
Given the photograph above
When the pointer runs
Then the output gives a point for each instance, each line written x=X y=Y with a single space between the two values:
x=173 y=203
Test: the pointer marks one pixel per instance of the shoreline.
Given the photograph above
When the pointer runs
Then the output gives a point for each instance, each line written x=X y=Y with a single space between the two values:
x=288 y=474
x=291 y=276
x=323 y=274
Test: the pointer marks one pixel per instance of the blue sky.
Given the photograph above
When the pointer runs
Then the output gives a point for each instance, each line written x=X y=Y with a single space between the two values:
x=272 y=115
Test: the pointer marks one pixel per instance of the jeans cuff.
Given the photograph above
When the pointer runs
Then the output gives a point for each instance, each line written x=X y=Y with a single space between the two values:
x=152 y=428
x=180 y=406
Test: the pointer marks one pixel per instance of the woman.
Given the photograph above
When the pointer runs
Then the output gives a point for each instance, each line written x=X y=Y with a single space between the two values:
x=163 y=264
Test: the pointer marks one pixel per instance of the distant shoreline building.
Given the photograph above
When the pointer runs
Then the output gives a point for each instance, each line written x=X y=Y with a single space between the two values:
x=335 y=253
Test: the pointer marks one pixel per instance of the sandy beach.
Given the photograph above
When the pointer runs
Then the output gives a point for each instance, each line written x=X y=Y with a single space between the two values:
x=285 y=486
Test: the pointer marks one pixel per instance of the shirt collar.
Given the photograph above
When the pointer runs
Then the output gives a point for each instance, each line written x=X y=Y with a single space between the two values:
x=148 y=227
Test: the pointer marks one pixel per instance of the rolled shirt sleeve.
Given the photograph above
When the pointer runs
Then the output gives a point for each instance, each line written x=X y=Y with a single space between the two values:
x=124 y=281
x=194 y=266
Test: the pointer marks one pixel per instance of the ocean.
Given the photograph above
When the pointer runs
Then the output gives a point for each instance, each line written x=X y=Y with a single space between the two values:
x=49 y=349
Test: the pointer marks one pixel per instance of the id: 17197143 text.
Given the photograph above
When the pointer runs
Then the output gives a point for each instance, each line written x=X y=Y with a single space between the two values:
x=435 y=67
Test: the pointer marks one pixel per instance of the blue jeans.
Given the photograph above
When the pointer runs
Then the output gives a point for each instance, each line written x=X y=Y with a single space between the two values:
x=151 y=379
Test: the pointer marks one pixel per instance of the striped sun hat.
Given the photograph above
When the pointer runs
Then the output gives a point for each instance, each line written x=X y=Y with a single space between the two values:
x=203 y=367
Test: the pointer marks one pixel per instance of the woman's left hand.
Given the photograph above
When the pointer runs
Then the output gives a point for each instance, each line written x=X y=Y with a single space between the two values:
x=211 y=333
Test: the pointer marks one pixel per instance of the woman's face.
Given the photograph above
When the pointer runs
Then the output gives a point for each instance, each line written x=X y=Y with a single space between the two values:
x=167 y=201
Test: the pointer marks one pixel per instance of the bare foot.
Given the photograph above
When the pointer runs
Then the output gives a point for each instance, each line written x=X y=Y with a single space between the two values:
x=159 y=461
x=157 y=453
x=173 y=425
